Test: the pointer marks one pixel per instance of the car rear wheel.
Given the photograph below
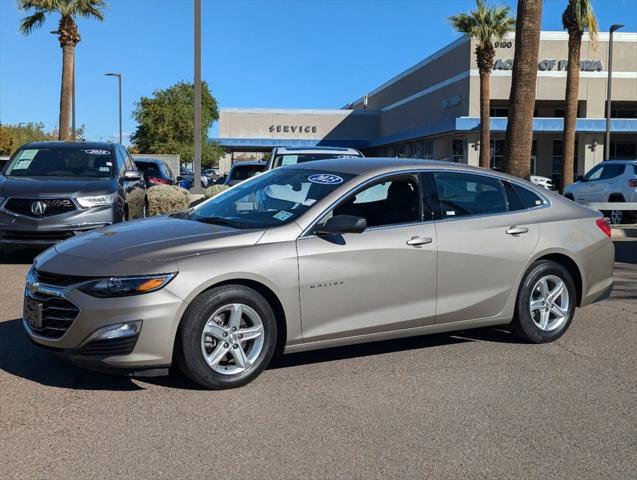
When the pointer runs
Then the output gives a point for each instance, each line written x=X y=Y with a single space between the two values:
x=546 y=303
x=226 y=338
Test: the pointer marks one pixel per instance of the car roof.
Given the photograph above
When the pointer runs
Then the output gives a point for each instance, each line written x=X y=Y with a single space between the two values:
x=316 y=149
x=250 y=164
x=148 y=160
x=370 y=164
x=96 y=145
x=623 y=162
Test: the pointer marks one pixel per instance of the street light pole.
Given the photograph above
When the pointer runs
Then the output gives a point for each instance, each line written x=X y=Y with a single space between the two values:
x=20 y=132
x=119 y=85
x=609 y=92
x=197 y=120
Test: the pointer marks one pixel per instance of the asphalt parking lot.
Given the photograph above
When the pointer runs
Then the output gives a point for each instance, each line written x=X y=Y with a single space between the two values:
x=474 y=404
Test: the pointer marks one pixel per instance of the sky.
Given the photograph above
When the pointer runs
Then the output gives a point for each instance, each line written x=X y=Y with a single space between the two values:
x=258 y=53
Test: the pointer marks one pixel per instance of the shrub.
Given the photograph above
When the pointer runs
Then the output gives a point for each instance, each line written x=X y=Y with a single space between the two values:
x=164 y=199
x=214 y=190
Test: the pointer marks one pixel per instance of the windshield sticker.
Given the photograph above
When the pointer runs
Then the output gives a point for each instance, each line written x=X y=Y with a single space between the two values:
x=96 y=151
x=450 y=213
x=283 y=215
x=28 y=154
x=309 y=202
x=325 y=179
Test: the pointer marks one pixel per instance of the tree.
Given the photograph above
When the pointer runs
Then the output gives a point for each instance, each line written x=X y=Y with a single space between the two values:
x=577 y=17
x=519 y=133
x=23 y=133
x=68 y=36
x=484 y=25
x=6 y=142
x=166 y=125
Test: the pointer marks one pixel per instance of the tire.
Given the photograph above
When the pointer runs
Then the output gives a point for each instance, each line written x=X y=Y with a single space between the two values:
x=196 y=351
x=617 y=217
x=528 y=320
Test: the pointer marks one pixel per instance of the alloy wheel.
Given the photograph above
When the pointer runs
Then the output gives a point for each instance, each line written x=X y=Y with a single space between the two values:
x=549 y=303
x=232 y=339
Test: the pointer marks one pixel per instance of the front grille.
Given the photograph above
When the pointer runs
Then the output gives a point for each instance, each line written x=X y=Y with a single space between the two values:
x=58 y=280
x=58 y=314
x=35 y=236
x=52 y=206
x=113 y=346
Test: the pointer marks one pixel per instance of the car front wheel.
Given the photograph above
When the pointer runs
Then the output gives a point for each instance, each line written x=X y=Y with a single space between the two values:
x=545 y=304
x=226 y=338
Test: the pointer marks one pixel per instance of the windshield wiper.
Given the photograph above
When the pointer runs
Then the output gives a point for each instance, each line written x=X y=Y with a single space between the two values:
x=217 y=221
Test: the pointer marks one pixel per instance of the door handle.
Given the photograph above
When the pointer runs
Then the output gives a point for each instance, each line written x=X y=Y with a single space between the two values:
x=419 y=241
x=517 y=230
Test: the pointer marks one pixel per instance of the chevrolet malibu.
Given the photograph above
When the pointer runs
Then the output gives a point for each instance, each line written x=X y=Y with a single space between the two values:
x=316 y=255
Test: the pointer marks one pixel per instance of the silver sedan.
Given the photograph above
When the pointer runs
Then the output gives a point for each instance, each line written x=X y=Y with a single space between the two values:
x=322 y=254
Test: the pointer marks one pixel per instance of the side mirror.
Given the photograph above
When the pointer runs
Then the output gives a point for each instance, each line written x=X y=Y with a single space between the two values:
x=342 y=224
x=131 y=176
x=580 y=178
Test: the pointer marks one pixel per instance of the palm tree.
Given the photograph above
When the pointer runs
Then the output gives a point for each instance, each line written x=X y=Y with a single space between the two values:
x=519 y=134
x=485 y=24
x=577 y=17
x=69 y=37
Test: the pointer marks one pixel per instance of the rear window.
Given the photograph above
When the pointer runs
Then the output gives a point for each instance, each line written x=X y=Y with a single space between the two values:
x=243 y=172
x=62 y=162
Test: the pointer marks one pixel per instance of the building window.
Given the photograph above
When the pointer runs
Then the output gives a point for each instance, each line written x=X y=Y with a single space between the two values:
x=623 y=150
x=499 y=112
x=457 y=150
x=497 y=154
x=428 y=149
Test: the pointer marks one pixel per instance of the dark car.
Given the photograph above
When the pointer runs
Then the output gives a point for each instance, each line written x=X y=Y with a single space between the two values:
x=155 y=171
x=187 y=179
x=243 y=170
x=51 y=191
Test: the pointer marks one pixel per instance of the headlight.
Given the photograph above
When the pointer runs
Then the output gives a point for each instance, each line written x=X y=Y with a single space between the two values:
x=96 y=201
x=125 y=286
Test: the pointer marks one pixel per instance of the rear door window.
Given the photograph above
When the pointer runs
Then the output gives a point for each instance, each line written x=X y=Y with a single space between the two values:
x=520 y=198
x=466 y=194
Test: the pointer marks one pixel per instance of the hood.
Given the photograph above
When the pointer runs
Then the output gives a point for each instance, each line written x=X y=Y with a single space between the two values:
x=156 y=239
x=43 y=187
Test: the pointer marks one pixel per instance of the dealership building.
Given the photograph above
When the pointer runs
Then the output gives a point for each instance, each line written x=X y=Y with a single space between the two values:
x=431 y=110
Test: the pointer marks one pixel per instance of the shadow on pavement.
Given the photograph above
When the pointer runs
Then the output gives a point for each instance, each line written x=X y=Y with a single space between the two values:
x=625 y=278
x=18 y=357
x=18 y=256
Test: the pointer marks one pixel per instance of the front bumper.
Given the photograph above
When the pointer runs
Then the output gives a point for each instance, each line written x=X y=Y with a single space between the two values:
x=152 y=348
x=20 y=230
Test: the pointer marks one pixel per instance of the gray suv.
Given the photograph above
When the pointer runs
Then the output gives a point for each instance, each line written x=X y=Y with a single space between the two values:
x=51 y=191
x=609 y=181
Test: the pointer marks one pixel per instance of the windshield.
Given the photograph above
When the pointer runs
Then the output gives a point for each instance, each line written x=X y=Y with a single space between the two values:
x=274 y=198
x=243 y=172
x=291 y=159
x=62 y=162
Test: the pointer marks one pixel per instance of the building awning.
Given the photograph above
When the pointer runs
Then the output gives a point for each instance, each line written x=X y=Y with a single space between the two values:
x=247 y=144
x=437 y=127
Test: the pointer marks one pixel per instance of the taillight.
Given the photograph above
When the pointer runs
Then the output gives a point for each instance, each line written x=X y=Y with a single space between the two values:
x=158 y=180
x=603 y=225
x=632 y=183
